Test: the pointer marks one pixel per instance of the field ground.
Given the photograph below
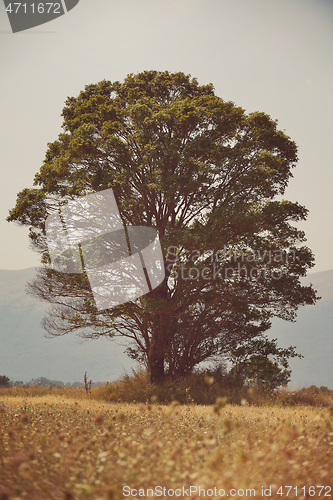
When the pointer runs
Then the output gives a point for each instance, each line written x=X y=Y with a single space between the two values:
x=53 y=447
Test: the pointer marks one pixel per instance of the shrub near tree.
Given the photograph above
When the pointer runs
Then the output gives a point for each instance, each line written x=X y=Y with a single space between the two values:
x=206 y=175
x=262 y=363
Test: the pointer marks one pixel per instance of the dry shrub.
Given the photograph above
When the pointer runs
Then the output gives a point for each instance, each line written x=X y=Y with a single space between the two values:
x=127 y=389
x=311 y=396
x=197 y=388
x=202 y=390
x=193 y=389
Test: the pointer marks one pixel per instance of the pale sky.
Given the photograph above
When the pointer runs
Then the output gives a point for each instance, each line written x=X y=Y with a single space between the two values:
x=274 y=56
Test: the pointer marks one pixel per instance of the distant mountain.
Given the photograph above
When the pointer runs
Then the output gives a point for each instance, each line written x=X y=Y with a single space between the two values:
x=312 y=334
x=25 y=353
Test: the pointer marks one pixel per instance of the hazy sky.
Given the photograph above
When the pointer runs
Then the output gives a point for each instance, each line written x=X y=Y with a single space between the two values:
x=274 y=56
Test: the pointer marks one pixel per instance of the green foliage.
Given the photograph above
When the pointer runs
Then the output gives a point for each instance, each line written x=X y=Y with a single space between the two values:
x=260 y=362
x=205 y=175
x=264 y=373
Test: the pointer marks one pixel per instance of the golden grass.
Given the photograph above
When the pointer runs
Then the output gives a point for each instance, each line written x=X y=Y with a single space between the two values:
x=53 y=447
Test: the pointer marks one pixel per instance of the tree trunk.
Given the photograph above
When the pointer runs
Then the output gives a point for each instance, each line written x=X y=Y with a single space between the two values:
x=156 y=357
x=156 y=370
x=159 y=337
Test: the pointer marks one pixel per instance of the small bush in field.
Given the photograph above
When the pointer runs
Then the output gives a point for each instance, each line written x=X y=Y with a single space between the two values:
x=313 y=396
x=205 y=388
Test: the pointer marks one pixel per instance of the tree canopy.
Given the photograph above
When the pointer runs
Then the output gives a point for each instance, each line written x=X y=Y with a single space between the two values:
x=206 y=176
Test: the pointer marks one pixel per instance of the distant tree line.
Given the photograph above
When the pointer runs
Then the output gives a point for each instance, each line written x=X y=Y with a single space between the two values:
x=4 y=381
x=40 y=382
x=256 y=372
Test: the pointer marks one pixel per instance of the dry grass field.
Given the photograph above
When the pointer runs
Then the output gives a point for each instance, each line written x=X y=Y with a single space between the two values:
x=55 y=447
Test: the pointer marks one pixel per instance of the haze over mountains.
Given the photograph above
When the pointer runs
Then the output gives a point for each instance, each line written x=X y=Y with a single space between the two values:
x=25 y=353
x=312 y=334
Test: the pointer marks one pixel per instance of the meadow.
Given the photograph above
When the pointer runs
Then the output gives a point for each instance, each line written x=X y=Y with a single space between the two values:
x=67 y=445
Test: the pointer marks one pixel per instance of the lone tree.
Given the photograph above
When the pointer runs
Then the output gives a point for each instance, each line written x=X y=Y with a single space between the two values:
x=205 y=175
